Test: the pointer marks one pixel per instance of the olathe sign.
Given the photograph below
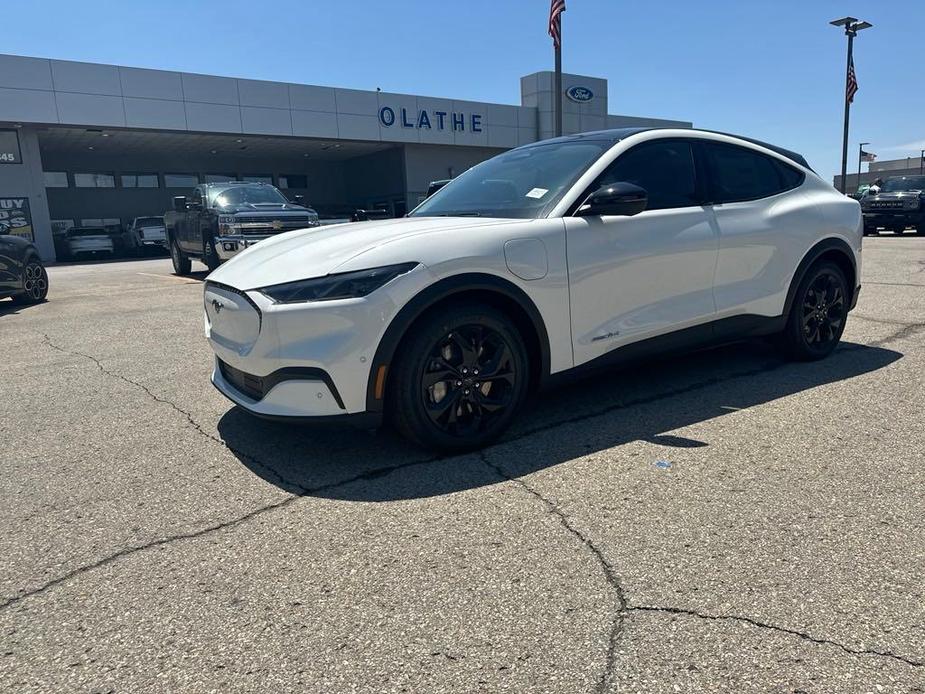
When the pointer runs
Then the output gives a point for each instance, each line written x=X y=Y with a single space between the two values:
x=431 y=120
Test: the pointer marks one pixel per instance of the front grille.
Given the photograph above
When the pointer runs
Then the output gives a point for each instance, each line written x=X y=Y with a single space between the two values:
x=252 y=386
x=289 y=220
x=887 y=205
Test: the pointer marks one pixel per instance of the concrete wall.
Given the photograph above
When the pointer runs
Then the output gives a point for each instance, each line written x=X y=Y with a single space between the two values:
x=26 y=180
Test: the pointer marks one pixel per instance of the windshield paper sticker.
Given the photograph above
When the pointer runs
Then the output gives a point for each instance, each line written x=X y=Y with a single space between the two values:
x=537 y=193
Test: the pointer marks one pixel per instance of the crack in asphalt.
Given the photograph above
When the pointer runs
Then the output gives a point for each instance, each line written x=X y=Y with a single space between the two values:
x=895 y=284
x=773 y=627
x=610 y=574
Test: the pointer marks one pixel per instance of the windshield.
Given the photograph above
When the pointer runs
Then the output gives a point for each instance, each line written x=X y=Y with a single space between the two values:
x=150 y=221
x=523 y=183
x=254 y=195
x=893 y=185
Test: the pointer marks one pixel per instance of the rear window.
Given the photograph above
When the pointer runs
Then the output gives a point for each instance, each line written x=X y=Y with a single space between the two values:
x=87 y=231
x=150 y=221
x=738 y=174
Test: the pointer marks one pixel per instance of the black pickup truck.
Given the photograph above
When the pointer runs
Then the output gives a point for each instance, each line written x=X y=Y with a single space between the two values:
x=900 y=203
x=217 y=220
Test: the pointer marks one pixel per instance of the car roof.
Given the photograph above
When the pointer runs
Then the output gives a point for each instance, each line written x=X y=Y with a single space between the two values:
x=614 y=135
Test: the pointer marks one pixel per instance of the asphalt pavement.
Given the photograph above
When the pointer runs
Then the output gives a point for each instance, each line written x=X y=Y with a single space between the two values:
x=720 y=522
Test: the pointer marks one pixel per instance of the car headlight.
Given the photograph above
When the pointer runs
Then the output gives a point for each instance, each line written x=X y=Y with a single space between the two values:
x=345 y=285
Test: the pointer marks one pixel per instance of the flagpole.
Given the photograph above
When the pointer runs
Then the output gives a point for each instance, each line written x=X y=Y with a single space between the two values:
x=844 y=150
x=558 y=81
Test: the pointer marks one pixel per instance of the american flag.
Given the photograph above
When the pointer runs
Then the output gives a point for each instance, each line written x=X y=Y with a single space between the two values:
x=556 y=8
x=868 y=156
x=852 y=87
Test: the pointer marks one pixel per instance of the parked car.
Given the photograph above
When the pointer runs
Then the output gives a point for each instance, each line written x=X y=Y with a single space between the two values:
x=149 y=232
x=89 y=241
x=545 y=261
x=124 y=242
x=899 y=204
x=22 y=274
x=218 y=220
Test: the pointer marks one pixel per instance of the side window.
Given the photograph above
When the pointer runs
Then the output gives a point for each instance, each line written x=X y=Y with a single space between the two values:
x=665 y=168
x=738 y=174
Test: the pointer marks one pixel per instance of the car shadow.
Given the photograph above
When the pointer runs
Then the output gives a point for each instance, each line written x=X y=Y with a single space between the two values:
x=8 y=307
x=639 y=404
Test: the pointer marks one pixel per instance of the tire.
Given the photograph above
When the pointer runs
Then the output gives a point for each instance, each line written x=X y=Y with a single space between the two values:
x=817 y=317
x=181 y=263
x=35 y=283
x=465 y=409
x=210 y=256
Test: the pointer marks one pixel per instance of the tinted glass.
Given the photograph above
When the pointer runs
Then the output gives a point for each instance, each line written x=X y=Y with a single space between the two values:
x=55 y=179
x=94 y=180
x=665 y=169
x=740 y=174
x=87 y=231
x=150 y=221
x=892 y=185
x=523 y=183
x=139 y=180
x=238 y=195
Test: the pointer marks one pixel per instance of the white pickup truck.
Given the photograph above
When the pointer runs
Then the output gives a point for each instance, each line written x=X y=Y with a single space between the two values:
x=148 y=232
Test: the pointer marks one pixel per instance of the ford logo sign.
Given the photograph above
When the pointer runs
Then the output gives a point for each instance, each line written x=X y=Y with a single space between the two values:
x=579 y=94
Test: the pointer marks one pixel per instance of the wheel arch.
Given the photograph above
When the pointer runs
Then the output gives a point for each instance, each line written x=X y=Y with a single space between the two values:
x=486 y=288
x=834 y=249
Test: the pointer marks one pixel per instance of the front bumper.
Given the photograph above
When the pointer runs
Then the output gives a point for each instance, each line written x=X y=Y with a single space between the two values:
x=894 y=220
x=300 y=360
x=229 y=246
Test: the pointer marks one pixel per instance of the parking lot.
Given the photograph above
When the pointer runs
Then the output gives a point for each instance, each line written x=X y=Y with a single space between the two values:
x=721 y=522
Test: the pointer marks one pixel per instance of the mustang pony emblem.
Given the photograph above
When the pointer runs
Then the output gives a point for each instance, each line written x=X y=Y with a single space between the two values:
x=217 y=306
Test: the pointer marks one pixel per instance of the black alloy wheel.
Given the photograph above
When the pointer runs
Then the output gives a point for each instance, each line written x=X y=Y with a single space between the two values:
x=460 y=378
x=35 y=282
x=820 y=310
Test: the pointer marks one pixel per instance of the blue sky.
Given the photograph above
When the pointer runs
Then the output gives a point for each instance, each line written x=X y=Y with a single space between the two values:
x=772 y=69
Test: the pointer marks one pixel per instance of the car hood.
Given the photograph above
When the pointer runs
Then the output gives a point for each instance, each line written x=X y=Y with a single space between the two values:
x=319 y=251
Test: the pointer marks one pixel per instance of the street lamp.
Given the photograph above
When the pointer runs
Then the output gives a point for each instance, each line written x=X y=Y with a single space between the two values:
x=861 y=146
x=852 y=27
x=922 y=161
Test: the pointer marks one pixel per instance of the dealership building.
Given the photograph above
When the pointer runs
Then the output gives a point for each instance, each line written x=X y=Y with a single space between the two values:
x=89 y=144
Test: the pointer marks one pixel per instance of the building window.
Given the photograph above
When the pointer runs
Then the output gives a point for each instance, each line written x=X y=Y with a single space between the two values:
x=101 y=222
x=258 y=178
x=9 y=147
x=55 y=179
x=180 y=180
x=94 y=180
x=219 y=178
x=139 y=180
x=293 y=181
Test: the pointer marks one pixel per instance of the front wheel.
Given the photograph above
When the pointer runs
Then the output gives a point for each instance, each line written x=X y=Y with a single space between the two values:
x=210 y=255
x=817 y=317
x=35 y=283
x=181 y=263
x=459 y=378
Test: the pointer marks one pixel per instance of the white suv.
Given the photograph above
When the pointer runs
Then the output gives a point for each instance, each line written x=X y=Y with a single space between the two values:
x=574 y=252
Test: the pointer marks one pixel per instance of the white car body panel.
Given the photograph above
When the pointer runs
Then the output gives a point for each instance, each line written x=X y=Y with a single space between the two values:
x=597 y=283
x=89 y=244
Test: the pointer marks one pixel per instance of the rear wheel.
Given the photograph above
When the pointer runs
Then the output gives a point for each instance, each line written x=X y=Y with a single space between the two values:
x=817 y=317
x=459 y=378
x=181 y=264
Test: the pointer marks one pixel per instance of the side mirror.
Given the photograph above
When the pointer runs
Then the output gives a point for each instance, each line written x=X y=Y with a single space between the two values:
x=179 y=203
x=624 y=199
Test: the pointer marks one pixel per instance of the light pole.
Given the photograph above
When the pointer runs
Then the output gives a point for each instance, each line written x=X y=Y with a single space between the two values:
x=852 y=27
x=922 y=162
x=861 y=146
